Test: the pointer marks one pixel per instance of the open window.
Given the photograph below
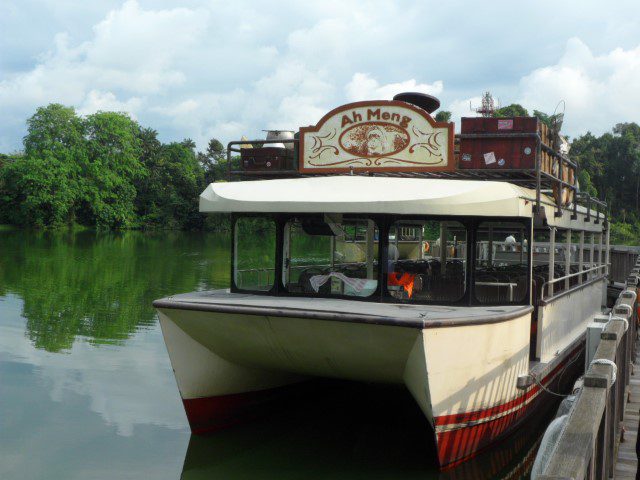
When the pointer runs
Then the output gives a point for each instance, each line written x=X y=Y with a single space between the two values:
x=501 y=271
x=254 y=253
x=427 y=261
x=330 y=255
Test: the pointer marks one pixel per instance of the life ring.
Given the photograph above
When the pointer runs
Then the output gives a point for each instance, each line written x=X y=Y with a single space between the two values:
x=426 y=247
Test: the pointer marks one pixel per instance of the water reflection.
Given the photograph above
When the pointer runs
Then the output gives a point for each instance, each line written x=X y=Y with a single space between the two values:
x=101 y=286
x=357 y=432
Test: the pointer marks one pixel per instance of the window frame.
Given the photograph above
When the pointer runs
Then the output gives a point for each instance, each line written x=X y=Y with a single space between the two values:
x=384 y=223
x=527 y=231
x=234 y=288
x=283 y=291
x=464 y=221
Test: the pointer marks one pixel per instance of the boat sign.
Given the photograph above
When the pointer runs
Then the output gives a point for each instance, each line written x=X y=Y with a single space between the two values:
x=378 y=135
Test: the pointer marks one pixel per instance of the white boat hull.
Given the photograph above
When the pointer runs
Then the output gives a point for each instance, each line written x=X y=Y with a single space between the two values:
x=462 y=373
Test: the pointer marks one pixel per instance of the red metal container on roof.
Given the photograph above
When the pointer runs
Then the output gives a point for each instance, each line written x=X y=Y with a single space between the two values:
x=499 y=152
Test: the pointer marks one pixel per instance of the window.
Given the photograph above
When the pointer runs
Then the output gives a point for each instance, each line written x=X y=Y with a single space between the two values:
x=331 y=255
x=424 y=268
x=502 y=266
x=254 y=253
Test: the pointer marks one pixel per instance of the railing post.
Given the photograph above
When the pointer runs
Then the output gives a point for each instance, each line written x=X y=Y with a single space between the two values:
x=581 y=257
x=552 y=259
x=567 y=257
x=592 y=251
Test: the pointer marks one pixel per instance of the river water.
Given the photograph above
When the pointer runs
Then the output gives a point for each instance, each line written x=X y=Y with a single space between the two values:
x=87 y=391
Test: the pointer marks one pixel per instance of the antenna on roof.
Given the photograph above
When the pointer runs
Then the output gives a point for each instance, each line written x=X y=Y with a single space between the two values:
x=488 y=107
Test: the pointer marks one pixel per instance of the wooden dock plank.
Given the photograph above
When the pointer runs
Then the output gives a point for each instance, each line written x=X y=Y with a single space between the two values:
x=627 y=461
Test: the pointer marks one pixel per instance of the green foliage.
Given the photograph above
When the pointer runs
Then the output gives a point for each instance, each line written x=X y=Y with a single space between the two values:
x=112 y=167
x=625 y=233
x=41 y=187
x=610 y=165
x=513 y=110
x=443 y=116
x=108 y=172
x=168 y=195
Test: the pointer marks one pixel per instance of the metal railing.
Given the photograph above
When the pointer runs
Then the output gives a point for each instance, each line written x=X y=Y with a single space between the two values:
x=545 y=285
x=622 y=258
x=587 y=443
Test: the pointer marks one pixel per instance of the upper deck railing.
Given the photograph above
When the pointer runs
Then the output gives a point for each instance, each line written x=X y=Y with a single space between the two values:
x=555 y=179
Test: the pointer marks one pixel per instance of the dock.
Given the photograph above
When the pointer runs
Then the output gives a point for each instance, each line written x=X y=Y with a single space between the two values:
x=627 y=460
x=598 y=438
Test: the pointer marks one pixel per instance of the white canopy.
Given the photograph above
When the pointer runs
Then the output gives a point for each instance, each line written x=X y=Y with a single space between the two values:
x=359 y=194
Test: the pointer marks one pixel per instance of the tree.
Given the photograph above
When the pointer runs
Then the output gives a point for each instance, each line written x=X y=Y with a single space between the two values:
x=113 y=165
x=41 y=188
x=513 y=110
x=214 y=161
x=443 y=116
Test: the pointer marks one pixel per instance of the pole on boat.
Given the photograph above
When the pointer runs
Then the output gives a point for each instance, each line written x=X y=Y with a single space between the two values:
x=370 y=253
x=581 y=255
x=490 y=252
x=552 y=258
x=567 y=258
x=592 y=253
x=333 y=251
x=606 y=250
x=443 y=248
x=600 y=244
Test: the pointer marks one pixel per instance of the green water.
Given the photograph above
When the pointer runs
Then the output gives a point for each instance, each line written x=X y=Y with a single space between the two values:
x=87 y=391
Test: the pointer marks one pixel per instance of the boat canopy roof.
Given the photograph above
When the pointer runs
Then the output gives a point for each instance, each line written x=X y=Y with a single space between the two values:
x=387 y=195
x=360 y=194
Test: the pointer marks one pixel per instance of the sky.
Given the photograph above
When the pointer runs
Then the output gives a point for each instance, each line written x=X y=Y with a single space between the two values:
x=201 y=69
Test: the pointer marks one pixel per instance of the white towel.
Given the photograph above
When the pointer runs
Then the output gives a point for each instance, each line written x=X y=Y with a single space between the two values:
x=356 y=283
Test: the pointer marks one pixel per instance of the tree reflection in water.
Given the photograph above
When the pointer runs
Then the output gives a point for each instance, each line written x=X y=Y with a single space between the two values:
x=101 y=286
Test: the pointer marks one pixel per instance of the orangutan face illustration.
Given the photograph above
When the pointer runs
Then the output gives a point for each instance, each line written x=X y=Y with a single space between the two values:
x=374 y=139
x=377 y=142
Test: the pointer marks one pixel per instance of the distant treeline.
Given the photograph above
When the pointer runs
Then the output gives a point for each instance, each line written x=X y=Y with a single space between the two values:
x=106 y=171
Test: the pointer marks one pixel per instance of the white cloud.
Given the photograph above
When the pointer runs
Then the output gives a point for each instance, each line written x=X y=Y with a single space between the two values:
x=204 y=68
x=599 y=90
x=127 y=385
x=107 y=101
x=363 y=87
x=463 y=108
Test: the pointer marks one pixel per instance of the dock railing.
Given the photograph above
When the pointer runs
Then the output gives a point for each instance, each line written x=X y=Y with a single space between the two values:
x=587 y=444
x=622 y=259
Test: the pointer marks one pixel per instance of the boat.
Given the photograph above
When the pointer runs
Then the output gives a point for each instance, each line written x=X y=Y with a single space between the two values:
x=377 y=247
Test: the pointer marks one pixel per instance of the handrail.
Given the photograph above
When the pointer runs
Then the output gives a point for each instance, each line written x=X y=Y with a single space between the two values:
x=566 y=277
x=597 y=267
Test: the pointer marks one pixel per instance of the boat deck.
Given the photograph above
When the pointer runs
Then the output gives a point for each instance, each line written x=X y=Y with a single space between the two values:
x=404 y=315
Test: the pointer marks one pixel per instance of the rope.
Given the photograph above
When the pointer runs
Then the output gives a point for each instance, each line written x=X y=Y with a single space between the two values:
x=562 y=395
x=611 y=317
x=606 y=361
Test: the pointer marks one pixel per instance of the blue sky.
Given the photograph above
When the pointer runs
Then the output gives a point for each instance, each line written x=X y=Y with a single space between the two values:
x=208 y=68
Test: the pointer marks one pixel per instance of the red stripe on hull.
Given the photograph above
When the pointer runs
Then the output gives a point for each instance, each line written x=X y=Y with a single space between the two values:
x=495 y=410
x=209 y=414
x=459 y=445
